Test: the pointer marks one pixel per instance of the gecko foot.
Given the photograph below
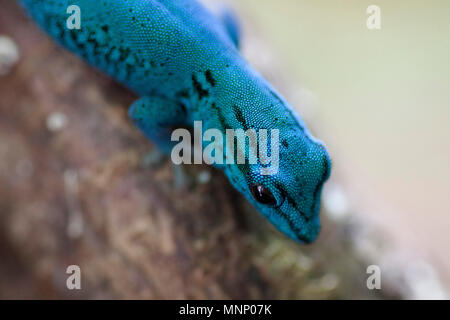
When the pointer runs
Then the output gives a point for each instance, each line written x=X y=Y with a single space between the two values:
x=153 y=159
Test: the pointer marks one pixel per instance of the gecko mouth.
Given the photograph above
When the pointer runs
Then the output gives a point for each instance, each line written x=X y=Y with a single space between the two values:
x=304 y=239
x=309 y=237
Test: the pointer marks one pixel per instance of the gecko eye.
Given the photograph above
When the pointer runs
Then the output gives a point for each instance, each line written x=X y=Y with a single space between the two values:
x=263 y=195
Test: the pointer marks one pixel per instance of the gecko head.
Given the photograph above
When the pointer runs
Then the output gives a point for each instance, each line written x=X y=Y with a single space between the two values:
x=290 y=197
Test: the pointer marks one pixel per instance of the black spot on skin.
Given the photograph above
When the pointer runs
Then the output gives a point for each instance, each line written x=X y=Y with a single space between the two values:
x=238 y=113
x=210 y=78
x=124 y=53
x=183 y=109
x=285 y=143
x=198 y=88
x=92 y=40
x=240 y=117
x=221 y=117
x=105 y=28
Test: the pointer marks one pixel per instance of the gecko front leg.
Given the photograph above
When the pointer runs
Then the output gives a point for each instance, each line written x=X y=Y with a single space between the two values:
x=155 y=117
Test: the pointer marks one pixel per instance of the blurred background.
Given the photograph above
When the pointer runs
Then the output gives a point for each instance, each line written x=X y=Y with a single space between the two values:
x=382 y=99
x=73 y=189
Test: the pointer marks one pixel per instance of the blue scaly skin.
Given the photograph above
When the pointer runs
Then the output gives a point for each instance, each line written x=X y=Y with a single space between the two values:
x=185 y=64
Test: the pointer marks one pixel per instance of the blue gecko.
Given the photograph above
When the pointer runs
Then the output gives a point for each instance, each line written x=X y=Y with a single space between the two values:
x=184 y=63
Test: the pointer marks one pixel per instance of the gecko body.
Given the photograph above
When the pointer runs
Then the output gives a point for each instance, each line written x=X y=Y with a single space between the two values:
x=185 y=64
